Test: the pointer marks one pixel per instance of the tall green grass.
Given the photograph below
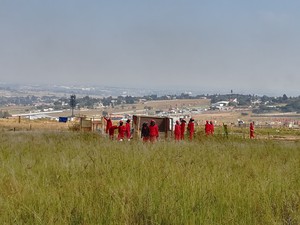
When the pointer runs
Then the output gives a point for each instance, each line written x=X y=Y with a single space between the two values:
x=82 y=178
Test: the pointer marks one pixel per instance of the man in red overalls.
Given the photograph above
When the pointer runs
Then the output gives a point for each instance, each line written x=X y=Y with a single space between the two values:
x=128 y=130
x=191 y=128
x=121 y=130
x=182 y=125
x=207 y=128
x=251 y=130
x=177 y=131
x=108 y=124
x=153 y=131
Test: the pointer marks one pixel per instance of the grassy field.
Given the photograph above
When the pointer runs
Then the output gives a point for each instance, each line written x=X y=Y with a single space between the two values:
x=81 y=178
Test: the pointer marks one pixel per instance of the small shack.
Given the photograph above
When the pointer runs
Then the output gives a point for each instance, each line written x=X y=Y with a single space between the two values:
x=91 y=124
x=165 y=125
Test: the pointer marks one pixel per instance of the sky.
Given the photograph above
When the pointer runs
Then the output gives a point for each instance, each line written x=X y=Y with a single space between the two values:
x=250 y=47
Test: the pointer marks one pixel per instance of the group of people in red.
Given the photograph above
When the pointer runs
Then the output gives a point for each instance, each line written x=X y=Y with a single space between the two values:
x=149 y=132
x=179 y=129
x=124 y=131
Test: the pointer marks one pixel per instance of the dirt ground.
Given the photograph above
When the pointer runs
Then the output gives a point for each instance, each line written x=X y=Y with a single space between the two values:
x=13 y=124
x=230 y=117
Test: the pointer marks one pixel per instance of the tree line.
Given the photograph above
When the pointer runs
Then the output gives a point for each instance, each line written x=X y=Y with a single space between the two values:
x=259 y=104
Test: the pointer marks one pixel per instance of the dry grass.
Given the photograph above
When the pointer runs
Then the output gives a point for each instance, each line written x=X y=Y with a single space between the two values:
x=13 y=124
x=82 y=178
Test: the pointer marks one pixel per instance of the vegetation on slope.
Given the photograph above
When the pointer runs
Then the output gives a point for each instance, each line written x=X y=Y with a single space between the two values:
x=81 y=178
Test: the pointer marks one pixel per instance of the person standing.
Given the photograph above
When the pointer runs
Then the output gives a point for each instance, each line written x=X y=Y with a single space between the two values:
x=121 y=130
x=225 y=130
x=177 y=131
x=251 y=130
x=108 y=124
x=207 y=128
x=145 y=133
x=182 y=126
x=153 y=131
x=128 y=129
x=191 y=128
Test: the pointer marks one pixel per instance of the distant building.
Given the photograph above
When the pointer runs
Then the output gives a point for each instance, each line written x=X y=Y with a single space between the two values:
x=220 y=105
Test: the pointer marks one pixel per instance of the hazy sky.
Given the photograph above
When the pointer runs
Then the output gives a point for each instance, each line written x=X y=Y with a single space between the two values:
x=210 y=45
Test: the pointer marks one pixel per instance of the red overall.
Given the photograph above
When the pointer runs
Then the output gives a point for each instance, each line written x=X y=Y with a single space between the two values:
x=251 y=130
x=108 y=124
x=177 y=131
x=207 y=128
x=121 y=133
x=191 y=128
x=182 y=129
x=128 y=130
x=153 y=132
